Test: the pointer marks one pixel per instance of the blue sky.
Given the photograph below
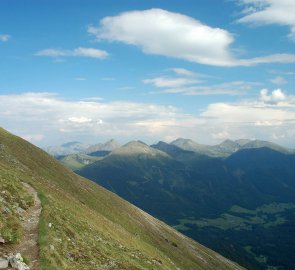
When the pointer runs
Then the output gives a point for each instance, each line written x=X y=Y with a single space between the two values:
x=149 y=70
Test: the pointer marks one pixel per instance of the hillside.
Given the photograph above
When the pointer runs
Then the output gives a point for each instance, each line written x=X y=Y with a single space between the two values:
x=246 y=199
x=84 y=226
x=77 y=161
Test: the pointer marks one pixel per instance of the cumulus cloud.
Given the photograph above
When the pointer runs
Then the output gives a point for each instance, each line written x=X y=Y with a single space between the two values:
x=275 y=97
x=270 y=117
x=160 y=32
x=82 y=52
x=63 y=120
x=265 y=12
x=4 y=38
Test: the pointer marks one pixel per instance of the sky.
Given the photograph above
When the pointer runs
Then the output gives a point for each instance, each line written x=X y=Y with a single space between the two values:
x=89 y=71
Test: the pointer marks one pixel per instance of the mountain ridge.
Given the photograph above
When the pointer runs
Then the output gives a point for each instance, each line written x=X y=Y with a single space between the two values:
x=209 y=197
x=85 y=226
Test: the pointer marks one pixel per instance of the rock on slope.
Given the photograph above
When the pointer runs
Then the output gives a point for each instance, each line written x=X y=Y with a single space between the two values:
x=83 y=226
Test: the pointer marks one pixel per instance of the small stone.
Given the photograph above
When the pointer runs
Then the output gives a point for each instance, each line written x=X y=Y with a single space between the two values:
x=2 y=240
x=3 y=263
x=6 y=210
x=50 y=225
x=52 y=247
x=17 y=262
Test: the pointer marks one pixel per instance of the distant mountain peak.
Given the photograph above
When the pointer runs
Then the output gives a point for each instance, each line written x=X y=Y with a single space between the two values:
x=70 y=144
x=68 y=148
x=183 y=140
x=110 y=145
x=137 y=147
x=242 y=142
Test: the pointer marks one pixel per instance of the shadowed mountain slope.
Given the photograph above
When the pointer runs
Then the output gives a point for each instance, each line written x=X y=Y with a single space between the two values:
x=247 y=199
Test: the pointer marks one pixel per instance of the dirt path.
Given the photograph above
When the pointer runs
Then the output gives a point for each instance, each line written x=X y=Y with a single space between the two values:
x=29 y=244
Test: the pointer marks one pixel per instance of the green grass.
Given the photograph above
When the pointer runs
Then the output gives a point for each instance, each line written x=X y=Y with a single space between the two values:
x=91 y=228
x=234 y=219
x=14 y=200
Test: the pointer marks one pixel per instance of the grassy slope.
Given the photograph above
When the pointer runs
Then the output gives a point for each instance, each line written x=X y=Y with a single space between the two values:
x=91 y=227
x=78 y=161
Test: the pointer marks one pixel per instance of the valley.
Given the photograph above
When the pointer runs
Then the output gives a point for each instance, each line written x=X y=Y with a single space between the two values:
x=238 y=199
x=82 y=225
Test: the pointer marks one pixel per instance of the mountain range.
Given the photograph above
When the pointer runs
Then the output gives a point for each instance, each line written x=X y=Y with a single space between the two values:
x=237 y=197
x=81 y=148
x=84 y=226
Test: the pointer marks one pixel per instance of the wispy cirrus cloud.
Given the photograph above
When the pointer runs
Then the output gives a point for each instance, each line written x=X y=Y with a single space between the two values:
x=170 y=82
x=160 y=32
x=264 y=12
x=81 y=52
x=4 y=37
x=235 y=88
x=186 y=82
x=188 y=73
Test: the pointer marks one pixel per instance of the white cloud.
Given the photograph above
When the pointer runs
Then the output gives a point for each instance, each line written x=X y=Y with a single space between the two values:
x=45 y=118
x=221 y=135
x=234 y=88
x=186 y=72
x=90 y=52
x=82 y=52
x=275 y=97
x=33 y=137
x=93 y=120
x=265 y=12
x=160 y=32
x=4 y=38
x=271 y=113
x=186 y=82
x=80 y=120
x=273 y=58
x=279 y=80
x=170 y=82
